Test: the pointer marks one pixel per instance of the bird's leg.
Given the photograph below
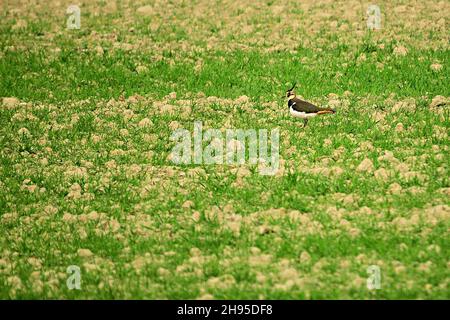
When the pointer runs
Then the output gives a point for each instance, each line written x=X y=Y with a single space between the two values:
x=305 y=122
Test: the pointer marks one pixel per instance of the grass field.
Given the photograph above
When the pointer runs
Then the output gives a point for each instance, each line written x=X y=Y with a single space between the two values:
x=86 y=178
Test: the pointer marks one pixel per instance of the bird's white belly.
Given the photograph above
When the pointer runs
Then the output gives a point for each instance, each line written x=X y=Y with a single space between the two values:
x=302 y=115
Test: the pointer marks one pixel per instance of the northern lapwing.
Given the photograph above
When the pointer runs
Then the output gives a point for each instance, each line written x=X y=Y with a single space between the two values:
x=303 y=109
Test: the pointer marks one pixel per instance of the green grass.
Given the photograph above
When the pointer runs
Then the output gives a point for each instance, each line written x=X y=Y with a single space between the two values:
x=81 y=75
x=348 y=221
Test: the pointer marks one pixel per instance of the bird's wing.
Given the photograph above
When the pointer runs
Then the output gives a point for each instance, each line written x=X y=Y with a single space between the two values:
x=304 y=106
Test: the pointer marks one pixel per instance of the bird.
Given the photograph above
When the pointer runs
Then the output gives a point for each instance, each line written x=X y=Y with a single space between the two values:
x=303 y=109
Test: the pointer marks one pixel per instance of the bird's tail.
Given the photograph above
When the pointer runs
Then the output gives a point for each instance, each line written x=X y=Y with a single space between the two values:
x=326 y=110
x=333 y=110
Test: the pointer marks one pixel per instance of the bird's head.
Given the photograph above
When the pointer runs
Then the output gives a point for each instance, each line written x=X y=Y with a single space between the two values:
x=290 y=93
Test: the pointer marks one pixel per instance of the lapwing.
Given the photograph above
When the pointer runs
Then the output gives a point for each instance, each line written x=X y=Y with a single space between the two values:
x=303 y=109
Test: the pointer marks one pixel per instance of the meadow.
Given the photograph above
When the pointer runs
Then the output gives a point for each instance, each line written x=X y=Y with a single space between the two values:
x=86 y=178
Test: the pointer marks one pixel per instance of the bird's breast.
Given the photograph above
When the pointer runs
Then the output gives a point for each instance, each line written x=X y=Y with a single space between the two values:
x=299 y=114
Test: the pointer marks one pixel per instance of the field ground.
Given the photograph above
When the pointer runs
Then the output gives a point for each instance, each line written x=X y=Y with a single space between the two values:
x=87 y=115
